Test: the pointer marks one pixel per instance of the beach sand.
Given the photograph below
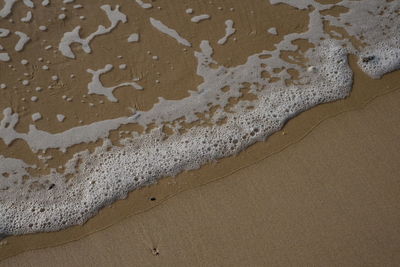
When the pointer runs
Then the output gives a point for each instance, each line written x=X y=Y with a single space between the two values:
x=329 y=199
x=323 y=191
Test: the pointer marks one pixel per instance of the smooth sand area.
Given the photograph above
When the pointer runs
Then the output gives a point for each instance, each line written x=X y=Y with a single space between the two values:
x=331 y=199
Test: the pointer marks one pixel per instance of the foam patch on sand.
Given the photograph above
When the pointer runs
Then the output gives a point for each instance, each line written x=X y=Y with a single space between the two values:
x=53 y=202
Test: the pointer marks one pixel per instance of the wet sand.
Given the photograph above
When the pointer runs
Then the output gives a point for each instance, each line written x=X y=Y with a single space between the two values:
x=330 y=198
x=321 y=190
x=171 y=76
x=365 y=90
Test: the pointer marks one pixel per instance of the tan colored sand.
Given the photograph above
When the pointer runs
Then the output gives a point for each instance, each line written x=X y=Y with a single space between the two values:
x=175 y=85
x=332 y=199
x=175 y=68
x=140 y=200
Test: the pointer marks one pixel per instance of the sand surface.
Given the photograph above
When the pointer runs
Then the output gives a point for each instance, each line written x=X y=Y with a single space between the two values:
x=331 y=199
x=323 y=191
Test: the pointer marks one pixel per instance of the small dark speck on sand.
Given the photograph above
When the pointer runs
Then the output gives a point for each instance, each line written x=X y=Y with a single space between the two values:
x=155 y=252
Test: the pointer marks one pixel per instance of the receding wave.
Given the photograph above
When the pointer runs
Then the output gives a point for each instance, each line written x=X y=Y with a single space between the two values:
x=232 y=108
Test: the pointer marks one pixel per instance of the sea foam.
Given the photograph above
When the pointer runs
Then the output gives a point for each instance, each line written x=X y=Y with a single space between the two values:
x=52 y=202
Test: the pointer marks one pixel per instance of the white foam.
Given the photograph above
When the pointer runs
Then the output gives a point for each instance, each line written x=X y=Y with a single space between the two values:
x=134 y=37
x=45 y=2
x=115 y=16
x=272 y=31
x=28 y=3
x=62 y=16
x=111 y=172
x=96 y=87
x=5 y=57
x=36 y=116
x=4 y=32
x=197 y=19
x=381 y=58
x=6 y=10
x=134 y=165
x=23 y=39
x=8 y=5
x=373 y=22
x=229 y=30
x=28 y=17
x=144 y=5
x=170 y=32
x=41 y=140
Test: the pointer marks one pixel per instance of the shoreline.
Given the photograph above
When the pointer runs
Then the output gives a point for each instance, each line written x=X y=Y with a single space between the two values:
x=141 y=200
x=330 y=214
x=168 y=73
